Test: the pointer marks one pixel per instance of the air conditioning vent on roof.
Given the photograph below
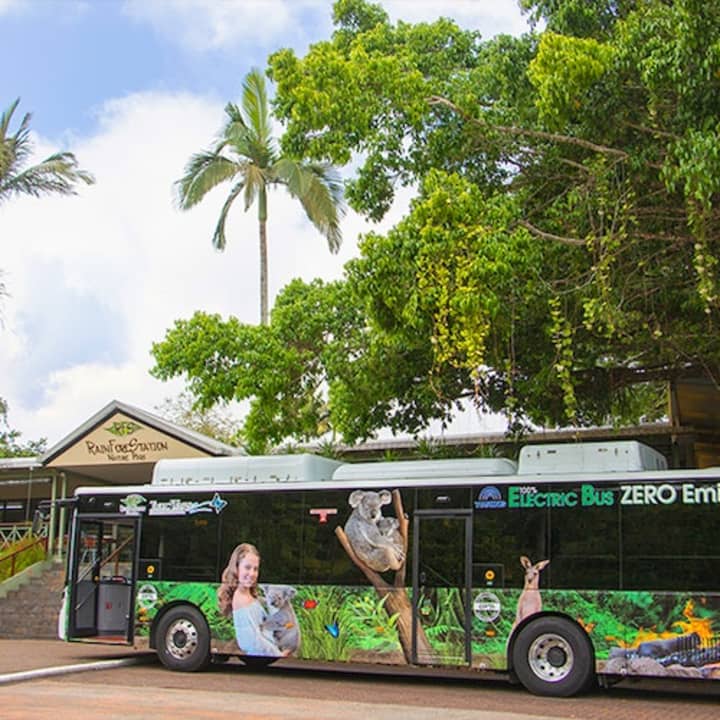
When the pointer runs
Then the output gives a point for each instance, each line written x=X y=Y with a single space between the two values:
x=621 y=456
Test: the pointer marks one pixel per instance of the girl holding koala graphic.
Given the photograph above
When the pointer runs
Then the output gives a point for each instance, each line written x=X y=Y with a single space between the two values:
x=238 y=597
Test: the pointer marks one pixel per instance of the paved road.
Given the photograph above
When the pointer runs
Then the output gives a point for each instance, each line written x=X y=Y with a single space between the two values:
x=70 y=701
x=288 y=691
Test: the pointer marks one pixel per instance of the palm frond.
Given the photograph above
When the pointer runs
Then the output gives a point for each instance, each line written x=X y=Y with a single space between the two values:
x=319 y=189
x=235 y=131
x=245 y=141
x=58 y=173
x=255 y=185
x=291 y=174
x=204 y=171
x=16 y=149
x=255 y=105
x=218 y=239
x=7 y=115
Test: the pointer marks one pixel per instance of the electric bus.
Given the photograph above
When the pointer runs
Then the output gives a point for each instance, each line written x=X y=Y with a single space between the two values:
x=577 y=564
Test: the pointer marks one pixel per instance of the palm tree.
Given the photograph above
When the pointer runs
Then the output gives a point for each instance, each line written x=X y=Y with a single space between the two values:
x=246 y=155
x=58 y=173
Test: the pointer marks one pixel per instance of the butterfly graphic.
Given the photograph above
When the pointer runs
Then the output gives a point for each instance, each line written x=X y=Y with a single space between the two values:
x=333 y=629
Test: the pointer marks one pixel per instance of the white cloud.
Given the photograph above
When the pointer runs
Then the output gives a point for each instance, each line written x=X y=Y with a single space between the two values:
x=9 y=6
x=490 y=17
x=96 y=279
x=202 y=25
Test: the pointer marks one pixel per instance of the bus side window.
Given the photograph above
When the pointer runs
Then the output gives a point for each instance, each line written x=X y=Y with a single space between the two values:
x=324 y=560
x=584 y=545
x=658 y=557
x=186 y=547
x=502 y=536
x=271 y=521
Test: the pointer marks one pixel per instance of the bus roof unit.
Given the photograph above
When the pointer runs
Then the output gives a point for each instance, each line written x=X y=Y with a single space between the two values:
x=425 y=469
x=239 y=470
x=621 y=456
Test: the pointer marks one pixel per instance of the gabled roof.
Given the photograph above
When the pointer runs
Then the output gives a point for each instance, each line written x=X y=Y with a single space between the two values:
x=189 y=437
x=20 y=463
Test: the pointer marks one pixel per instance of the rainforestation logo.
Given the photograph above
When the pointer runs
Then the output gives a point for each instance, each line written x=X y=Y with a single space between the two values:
x=489 y=498
x=133 y=504
x=123 y=428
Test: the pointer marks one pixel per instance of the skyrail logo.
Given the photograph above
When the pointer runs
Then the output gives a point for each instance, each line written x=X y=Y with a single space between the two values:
x=175 y=506
x=490 y=498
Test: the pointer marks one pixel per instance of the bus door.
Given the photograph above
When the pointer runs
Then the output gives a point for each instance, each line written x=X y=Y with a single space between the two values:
x=103 y=579
x=442 y=578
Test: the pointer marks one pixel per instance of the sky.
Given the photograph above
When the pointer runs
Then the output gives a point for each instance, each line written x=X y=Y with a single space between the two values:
x=133 y=88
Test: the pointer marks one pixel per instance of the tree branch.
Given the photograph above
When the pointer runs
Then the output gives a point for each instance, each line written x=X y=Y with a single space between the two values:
x=404 y=525
x=537 y=134
x=550 y=236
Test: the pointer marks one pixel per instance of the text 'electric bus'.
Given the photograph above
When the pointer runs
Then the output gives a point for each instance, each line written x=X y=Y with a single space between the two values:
x=578 y=562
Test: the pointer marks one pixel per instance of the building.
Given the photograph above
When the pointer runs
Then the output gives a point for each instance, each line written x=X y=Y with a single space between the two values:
x=119 y=445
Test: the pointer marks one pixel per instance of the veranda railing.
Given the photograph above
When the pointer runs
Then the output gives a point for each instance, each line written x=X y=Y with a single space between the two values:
x=11 y=533
x=26 y=553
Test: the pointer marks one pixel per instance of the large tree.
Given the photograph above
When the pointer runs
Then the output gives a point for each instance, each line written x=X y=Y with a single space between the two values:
x=562 y=252
x=603 y=133
x=247 y=157
x=282 y=368
x=215 y=422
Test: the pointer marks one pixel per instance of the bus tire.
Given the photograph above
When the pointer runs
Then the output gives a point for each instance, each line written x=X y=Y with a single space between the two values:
x=553 y=656
x=183 y=639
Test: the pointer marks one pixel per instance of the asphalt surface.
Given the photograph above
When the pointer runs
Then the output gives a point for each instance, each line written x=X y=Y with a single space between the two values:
x=30 y=659
x=54 y=680
x=23 y=661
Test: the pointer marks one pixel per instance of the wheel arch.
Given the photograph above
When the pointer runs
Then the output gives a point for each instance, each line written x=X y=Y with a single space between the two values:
x=540 y=616
x=164 y=611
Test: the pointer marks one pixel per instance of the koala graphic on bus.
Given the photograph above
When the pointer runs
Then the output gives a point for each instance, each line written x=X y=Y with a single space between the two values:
x=375 y=539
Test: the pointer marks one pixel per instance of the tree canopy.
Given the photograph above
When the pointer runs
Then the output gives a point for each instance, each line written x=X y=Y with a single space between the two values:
x=563 y=246
x=214 y=422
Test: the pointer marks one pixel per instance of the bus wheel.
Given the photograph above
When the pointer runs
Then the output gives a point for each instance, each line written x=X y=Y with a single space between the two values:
x=183 y=639
x=553 y=656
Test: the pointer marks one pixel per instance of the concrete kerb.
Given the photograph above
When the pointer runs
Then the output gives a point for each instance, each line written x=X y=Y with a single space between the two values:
x=24 y=675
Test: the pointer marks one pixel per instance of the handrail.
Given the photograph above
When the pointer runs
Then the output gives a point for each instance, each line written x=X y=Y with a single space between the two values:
x=14 y=556
x=115 y=554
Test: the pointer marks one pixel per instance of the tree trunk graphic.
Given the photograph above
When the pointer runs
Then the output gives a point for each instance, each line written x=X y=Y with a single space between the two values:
x=396 y=593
